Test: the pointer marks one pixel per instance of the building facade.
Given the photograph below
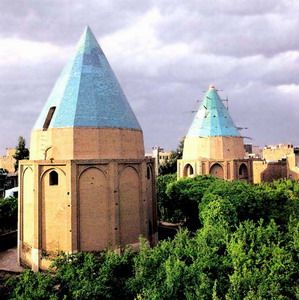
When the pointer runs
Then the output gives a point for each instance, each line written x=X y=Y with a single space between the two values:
x=278 y=162
x=160 y=156
x=87 y=185
x=7 y=162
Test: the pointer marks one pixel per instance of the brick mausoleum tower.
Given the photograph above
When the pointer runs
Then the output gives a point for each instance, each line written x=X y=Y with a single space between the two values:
x=213 y=145
x=87 y=185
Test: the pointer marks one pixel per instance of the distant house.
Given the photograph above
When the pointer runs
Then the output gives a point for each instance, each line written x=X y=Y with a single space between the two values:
x=7 y=161
x=8 y=176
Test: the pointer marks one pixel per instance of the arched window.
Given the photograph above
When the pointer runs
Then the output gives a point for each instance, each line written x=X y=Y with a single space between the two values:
x=188 y=170
x=53 y=178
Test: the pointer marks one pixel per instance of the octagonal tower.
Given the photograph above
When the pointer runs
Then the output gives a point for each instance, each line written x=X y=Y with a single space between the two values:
x=213 y=144
x=87 y=185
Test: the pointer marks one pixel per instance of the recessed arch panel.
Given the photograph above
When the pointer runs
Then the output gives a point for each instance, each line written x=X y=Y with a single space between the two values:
x=243 y=172
x=55 y=225
x=28 y=207
x=129 y=202
x=188 y=170
x=93 y=210
x=217 y=171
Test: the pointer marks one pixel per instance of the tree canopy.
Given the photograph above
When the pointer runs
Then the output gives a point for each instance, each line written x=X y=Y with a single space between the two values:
x=21 y=152
x=246 y=246
x=170 y=166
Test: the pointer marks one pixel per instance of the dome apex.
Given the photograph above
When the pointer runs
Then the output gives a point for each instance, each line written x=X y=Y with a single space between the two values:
x=87 y=93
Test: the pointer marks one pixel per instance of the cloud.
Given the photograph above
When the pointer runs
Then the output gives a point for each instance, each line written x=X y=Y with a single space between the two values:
x=61 y=21
x=31 y=52
x=165 y=55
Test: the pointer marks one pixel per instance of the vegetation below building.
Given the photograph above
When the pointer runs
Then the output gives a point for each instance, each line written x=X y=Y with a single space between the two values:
x=246 y=246
x=8 y=214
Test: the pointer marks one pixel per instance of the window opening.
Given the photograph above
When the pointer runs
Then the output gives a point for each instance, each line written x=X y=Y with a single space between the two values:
x=53 y=179
x=49 y=117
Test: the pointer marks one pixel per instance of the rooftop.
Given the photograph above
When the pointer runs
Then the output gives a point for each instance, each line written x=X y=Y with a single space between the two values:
x=212 y=118
x=87 y=93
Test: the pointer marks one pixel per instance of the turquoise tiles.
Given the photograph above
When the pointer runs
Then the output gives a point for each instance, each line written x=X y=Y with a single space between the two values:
x=212 y=118
x=87 y=93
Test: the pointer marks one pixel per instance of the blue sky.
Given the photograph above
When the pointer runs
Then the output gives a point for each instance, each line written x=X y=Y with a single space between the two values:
x=165 y=55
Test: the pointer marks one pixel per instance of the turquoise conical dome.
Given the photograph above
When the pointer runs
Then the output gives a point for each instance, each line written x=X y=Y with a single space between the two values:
x=87 y=93
x=212 y=118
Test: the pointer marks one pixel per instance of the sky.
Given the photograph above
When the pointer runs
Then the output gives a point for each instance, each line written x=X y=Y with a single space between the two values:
x=165 y=54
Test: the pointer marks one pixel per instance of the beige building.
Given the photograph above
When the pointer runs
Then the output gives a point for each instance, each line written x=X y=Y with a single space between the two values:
x=278 y=162
x=160 y=156
x=7 y=162
x=87 y=185
x=213 y=144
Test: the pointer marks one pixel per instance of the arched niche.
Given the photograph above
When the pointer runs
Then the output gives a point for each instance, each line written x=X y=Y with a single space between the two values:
x=93 y=210
x=129 y=206
x=188 y=171
x=55 y=211
x=28 y=207
x=243 y=172
x=217 y=171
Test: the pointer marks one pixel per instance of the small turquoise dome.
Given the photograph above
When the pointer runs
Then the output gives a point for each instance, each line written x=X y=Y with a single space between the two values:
x=212 y=118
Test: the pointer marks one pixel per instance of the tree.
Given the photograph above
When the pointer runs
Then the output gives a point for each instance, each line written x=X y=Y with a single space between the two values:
x=8 y=214
x=163 y=201
x=246 y=248
x=21 y=152
x=170 y=166
x=263 y=266
x=184 y=196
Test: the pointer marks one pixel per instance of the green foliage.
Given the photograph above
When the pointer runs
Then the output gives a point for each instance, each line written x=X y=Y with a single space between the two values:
x=184 y=197
x=33 y=286
x=21 y=152
x=170 y=166
x=247 y=247
x=8 y=214
x=263 y=266
x=91 y=276
x=78 y=276
x=165 y=212
x=277 y=201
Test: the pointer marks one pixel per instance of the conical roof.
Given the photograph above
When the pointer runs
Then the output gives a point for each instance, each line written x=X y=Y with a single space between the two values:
x=212 y=118
x=87 y=93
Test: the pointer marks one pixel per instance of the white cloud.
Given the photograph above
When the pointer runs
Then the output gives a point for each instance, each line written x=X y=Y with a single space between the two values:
x=137 y=46
x=292 y=89
x=15 y=51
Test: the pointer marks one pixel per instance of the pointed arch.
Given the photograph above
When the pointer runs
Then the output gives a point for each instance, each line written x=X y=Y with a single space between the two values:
x=54 y=211
x=93 y=210
x=216 y=170
x=188 y=171
x=243 y=172
x=28 y=206
x=129 y=202
x=53 y=178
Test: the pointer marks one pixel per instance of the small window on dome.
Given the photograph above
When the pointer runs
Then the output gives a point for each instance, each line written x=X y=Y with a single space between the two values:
x=53 y=178
x=49 y=117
